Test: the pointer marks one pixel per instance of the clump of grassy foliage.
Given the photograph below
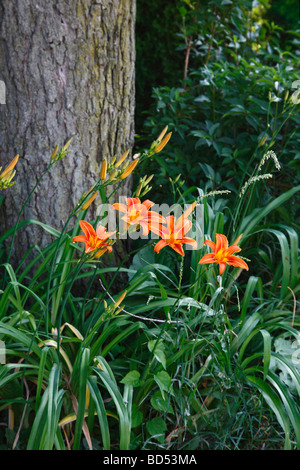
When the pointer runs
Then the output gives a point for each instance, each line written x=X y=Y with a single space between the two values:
x=180 y=357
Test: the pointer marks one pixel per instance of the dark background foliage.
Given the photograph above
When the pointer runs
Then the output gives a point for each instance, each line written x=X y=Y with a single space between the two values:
x=220 y=77
x=158 y=60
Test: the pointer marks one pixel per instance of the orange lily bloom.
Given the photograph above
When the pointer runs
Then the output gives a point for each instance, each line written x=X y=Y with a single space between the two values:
x=174 y=235
x=222 y=254
x=94 y=240
x=137 y=213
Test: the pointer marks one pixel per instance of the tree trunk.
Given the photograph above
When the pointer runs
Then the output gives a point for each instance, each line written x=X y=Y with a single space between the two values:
x=68 y=68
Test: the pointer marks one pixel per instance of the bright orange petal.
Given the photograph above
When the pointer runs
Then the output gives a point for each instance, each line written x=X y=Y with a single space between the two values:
x=189 y=241
x=222 y=267
x=132 y=200
x=170 y=223
x=80 y=238
x=178 y=248
x=222 y=242
x=211 y=244
x=232 y=249
x=87 y=228
x=237 y=262
x=159 y=245
x=209 y=258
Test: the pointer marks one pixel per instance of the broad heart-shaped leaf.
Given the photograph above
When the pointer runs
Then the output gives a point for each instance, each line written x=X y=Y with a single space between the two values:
x=164 y=382
x=161 y=404
x=158 y=349
x=136 y=416
x=156 y=428
x=132 y=378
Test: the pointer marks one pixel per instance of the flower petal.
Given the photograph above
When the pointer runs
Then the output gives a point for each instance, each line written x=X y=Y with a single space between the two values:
x=170 y=223
x=211 y=244
x=147 y=203
x=177 y=247
x=182 y=227
x=130 y=201
x=159 y=245
x=156 y=216
x=80 y=238
x=237 y=262
x=222 y=242
x=102 y=234
x=222 y=267
x=119 y=207
x=87 y=228
x=209 y=258
x=189 y=241
x=232 y=249
x=145 y=228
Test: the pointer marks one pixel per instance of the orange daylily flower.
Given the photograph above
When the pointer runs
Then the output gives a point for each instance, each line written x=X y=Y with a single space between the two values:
x=174 y=235
x=137 y=213
x=222 y=254
x=94 y=240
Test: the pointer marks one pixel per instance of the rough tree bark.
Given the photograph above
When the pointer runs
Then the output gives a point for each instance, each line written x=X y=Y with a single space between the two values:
x=68 y=67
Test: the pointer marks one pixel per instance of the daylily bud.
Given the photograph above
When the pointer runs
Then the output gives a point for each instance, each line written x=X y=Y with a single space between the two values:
x=67 y=144
x=129 y=169
x=54 y=152
x=113 y=175
x=7 y=175
x=148 y=180
x=121 y=160
x=10 y=167
x=263 y=141
x=138 y=191
x=103 y=169
x=112 y=160
x=120 y=300
x=163 y=143
x=162 y=134
x=119 y=310
x=89 y=202
x=236 y=241
x=286 y=95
